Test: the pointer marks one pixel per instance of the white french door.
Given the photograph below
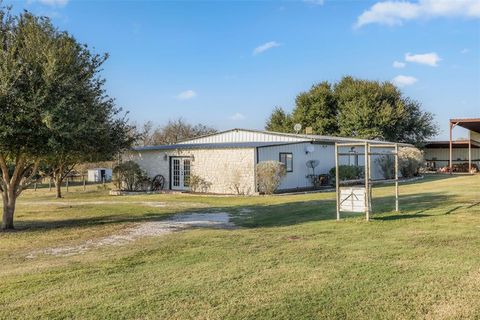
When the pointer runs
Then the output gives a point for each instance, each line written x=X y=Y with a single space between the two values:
x=180 y=173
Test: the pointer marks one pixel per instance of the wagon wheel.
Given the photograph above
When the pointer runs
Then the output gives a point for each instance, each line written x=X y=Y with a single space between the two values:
x=158 y=182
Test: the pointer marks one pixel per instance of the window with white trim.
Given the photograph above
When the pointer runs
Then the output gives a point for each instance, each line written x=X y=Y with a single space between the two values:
x=287 y=159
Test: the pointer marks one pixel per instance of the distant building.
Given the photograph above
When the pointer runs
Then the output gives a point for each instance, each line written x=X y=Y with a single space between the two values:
x=437 y=153
x=451 y=154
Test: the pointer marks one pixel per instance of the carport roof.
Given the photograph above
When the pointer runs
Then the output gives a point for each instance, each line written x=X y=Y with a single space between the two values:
x=472 y=124
x=455 y=144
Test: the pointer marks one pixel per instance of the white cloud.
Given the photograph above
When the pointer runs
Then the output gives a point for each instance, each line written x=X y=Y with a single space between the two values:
x=392 y=13
x=237 y=116
x=266 y=46
x=315 y=2
x=430 y=59
x=403 y=81
x=54 y=3
x=186 y=95
x=399 y=64
x=465 y=50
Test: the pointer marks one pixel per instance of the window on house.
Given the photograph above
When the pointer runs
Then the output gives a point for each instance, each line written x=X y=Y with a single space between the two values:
x=353 y=157
x=287 y=159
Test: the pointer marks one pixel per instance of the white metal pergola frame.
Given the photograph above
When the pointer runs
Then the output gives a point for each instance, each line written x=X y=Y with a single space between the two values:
x=368 y=146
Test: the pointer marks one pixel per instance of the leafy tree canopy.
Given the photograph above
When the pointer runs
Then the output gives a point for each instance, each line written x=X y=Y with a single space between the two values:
x=54 y=110
x=357 y=108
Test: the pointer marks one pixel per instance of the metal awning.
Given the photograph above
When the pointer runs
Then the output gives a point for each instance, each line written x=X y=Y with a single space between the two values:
x=456 y=144
x=472 y=124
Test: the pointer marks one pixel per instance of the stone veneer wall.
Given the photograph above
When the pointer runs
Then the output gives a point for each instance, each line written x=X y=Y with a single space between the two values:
x=223 y=168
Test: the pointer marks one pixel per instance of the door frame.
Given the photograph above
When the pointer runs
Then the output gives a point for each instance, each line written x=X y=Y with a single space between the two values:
x=170 y=176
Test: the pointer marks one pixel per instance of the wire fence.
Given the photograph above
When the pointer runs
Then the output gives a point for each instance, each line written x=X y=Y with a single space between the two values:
x=75 y=182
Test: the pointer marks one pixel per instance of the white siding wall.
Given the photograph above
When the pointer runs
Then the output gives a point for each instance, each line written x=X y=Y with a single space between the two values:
x=298 y=178
x=442 y=155
x=325 y=153
x=242 y=136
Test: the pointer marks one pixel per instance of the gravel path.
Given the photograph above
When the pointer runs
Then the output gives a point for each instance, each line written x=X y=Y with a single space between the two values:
x=178 y=222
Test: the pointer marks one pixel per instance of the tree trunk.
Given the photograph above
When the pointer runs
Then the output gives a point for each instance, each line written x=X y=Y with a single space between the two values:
x=58 y=187
x=9 y=200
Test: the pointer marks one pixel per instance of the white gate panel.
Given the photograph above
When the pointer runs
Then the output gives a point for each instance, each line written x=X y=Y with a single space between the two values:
x=352 y=199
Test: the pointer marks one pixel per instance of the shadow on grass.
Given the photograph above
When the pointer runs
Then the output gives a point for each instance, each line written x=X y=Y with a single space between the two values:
x=301 y=212
x=429 y=177
x=261 y=216
x=402 y=217
x=39 y=225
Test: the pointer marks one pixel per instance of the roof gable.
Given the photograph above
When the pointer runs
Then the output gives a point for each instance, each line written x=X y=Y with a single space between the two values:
x=245 y=135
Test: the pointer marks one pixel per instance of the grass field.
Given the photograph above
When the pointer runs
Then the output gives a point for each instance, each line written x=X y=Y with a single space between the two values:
x=288 y=260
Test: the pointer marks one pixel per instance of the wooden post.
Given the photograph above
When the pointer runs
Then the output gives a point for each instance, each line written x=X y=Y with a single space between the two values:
x=370 y=185
x=35 y=186
x=337 y=182
x=396 y=177
x=469 y=151
x=367 y=182
x=450 y=149
x=50 y=184
x=84 y=183
x=67 y=184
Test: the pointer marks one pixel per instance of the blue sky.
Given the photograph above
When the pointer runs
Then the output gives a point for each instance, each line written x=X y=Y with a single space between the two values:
x=228 y=63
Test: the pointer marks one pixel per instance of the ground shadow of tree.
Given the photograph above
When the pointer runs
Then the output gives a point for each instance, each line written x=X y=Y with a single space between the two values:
x=259 y=216
x=302 y=212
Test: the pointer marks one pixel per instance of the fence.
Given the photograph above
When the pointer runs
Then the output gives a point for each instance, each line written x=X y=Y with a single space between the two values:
x=68 y=182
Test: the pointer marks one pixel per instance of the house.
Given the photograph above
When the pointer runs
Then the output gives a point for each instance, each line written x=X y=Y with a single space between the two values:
x=227 y=160
x=443 y=154
x=99 y=175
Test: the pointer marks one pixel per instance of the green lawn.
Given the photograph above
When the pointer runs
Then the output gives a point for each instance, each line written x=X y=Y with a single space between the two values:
x=290 y=259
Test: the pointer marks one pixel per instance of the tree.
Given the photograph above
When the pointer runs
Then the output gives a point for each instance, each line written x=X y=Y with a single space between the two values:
x=144 y=134
x=173 y=132
x=24 y=89
x=279 y=121
x=377 y=110
x=41 y=111
x=360 y=108
x=317 y=108
x=84 y=124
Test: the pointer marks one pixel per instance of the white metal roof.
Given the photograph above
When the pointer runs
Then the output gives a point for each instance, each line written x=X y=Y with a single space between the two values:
x=248 y=135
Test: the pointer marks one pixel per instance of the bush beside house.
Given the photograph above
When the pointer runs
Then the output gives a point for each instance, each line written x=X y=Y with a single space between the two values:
x=269 y=176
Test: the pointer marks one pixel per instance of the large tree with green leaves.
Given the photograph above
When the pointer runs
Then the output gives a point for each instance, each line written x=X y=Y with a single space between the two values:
x=317 y=109
x=279 y=121
x=360 y=108
x=50 y=97
x=85 y=125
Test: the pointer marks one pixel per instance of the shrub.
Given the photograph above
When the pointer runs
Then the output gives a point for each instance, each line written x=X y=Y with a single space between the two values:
x=348 y=172
x=130 y=177
x=410 y=160
x=387 y=166
x=198 y=184
x=269 y=176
